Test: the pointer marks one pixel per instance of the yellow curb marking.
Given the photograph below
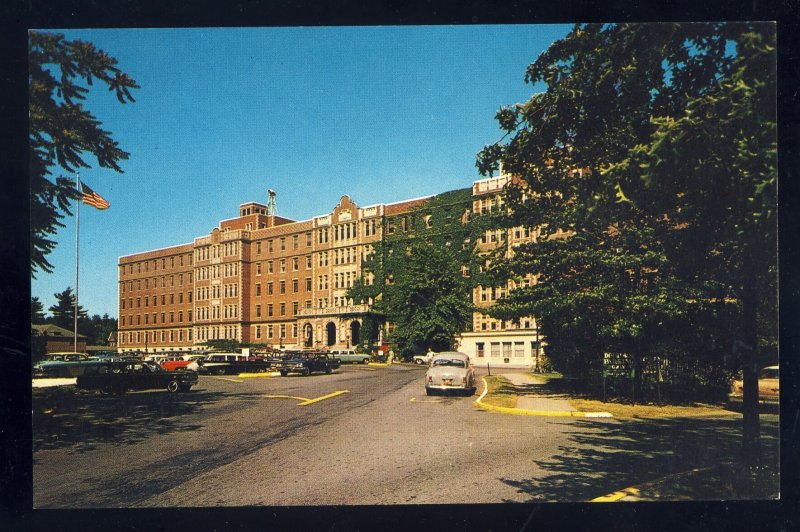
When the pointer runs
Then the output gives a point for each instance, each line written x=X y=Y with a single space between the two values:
x=617 y=495
x=524 y=412
x=226 y=379
x=258 y=375
x=414 y=400
x=305 y=401
x=377 y=364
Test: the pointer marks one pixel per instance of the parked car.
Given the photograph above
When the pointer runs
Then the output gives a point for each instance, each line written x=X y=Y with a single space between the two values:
x=305 y=363
x=424 y=359
x=234 y=363
x=349 y=356
x=121 y=376
x=63 y=365
x=178 y=364
x=450 y=371
x=768 y=388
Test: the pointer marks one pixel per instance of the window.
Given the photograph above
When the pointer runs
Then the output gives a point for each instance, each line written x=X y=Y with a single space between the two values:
x=269 y=245
x=295 y=242
x=308 y=239
x=295 y=284
x=283 y=265
x=295 y=306
x=258 y=268
x=506 y=349
x=282 y=288
x=296 y=263
x=308 y=262
x=258 y=332
x=519 y=349
x=496 y=349
x=258 y=311
x=308 y=284
x=283 y=309
x=269 y=289
x=269 y=309
x=258 y=248
x=258 y=289
x=283 y=243
x=172 y=317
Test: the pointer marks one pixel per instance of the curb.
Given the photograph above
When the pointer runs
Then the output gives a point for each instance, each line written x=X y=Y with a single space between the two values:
x=526 y=412
x=637 y=490
x=258 y=375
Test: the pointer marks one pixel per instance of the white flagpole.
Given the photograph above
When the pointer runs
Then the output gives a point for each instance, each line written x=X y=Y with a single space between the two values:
x=77 y=231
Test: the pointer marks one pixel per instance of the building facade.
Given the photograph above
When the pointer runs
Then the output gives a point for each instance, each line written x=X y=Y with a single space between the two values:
x=260 y=278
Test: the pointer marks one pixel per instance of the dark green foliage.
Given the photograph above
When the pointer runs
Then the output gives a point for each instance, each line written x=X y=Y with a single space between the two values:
x=62 y=132
x=225 y=345
x=63 y=312
x=419 y=284
x=654 y=147
x=37 y=311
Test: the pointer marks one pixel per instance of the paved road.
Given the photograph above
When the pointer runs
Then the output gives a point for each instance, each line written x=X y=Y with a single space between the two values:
x=228 y=442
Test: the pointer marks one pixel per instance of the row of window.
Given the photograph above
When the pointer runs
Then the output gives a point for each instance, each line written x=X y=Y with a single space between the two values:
x=282 y=243
x=147 y=320
x=154 y=299
x=270 y=331
x=154 y=337
x=281 y=308
x=145 y=265
x=503 y=349
x=153 y=282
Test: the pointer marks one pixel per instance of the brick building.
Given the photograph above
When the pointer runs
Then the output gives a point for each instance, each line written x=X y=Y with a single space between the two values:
x=260 y=278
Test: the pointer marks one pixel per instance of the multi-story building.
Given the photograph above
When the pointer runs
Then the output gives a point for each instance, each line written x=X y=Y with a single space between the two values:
x=264 y=279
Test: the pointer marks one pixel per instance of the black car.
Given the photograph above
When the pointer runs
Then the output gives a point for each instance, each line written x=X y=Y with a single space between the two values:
x=305 y=363
x=121 y=376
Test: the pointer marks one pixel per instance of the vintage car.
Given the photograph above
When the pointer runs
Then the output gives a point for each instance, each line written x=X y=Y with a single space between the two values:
x=63 y=365
x=181 y=364
x=307 y=362
x=121 y=376
x=768 y=388
x=450 y=371
x=424 y=359
x=234 y=363
x=349 y=356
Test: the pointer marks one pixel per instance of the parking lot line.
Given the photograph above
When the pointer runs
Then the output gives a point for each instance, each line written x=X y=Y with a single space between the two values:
x=312 y=401
x=414 y=400
x=305 y=401
x=226 y=379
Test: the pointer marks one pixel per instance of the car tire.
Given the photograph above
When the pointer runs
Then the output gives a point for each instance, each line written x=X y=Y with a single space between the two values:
x=284 y=373
x=306 y=372
x=107 y=389
x=418 y=361
x=328 y=370
x=365 y=361
x=428 y=391
x=173 y=386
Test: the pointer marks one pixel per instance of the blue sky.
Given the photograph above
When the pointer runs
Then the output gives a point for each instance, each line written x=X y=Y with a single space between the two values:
x=379 y=113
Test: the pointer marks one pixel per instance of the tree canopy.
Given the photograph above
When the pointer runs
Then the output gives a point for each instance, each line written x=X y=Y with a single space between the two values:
x=63 y=311
x=653 y=146
x=416 y=275
x=63 y=134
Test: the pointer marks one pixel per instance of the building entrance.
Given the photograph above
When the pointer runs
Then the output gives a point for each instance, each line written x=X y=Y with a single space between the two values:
x=331 y=329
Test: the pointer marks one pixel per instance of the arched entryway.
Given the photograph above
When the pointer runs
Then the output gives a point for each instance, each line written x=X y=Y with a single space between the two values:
x=331 y=329
x=355 y=330
x=308 y=335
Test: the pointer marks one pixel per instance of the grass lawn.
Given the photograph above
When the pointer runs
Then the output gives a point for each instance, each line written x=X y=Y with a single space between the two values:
x=501 y=392
x=620 y=410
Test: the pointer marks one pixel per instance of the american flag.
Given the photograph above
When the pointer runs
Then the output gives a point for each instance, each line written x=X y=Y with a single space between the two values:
x=90 y=197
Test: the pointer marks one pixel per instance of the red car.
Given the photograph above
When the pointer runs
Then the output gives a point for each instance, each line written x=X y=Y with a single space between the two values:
x=175 y=364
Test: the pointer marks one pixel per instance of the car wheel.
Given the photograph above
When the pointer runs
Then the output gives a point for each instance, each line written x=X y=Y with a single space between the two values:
x=328 y=370
x=418 y=362
x=365 y=361
x=108 y=389
x=306 y=372
x=173 y=386
x=284 y=373
x=428 y=391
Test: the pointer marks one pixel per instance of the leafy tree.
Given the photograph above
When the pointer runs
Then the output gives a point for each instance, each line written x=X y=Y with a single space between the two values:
x=97 y=329
x=653 y=146
x=419 y=283
x=222 y=344
x=62 y=132
x=64 y=310
x=37 y=311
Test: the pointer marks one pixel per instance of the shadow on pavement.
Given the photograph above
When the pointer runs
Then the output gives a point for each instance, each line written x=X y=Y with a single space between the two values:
x=64 y=416
x=609 y=456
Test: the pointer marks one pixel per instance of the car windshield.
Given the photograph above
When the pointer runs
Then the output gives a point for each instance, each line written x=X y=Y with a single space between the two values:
x=449 y=362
